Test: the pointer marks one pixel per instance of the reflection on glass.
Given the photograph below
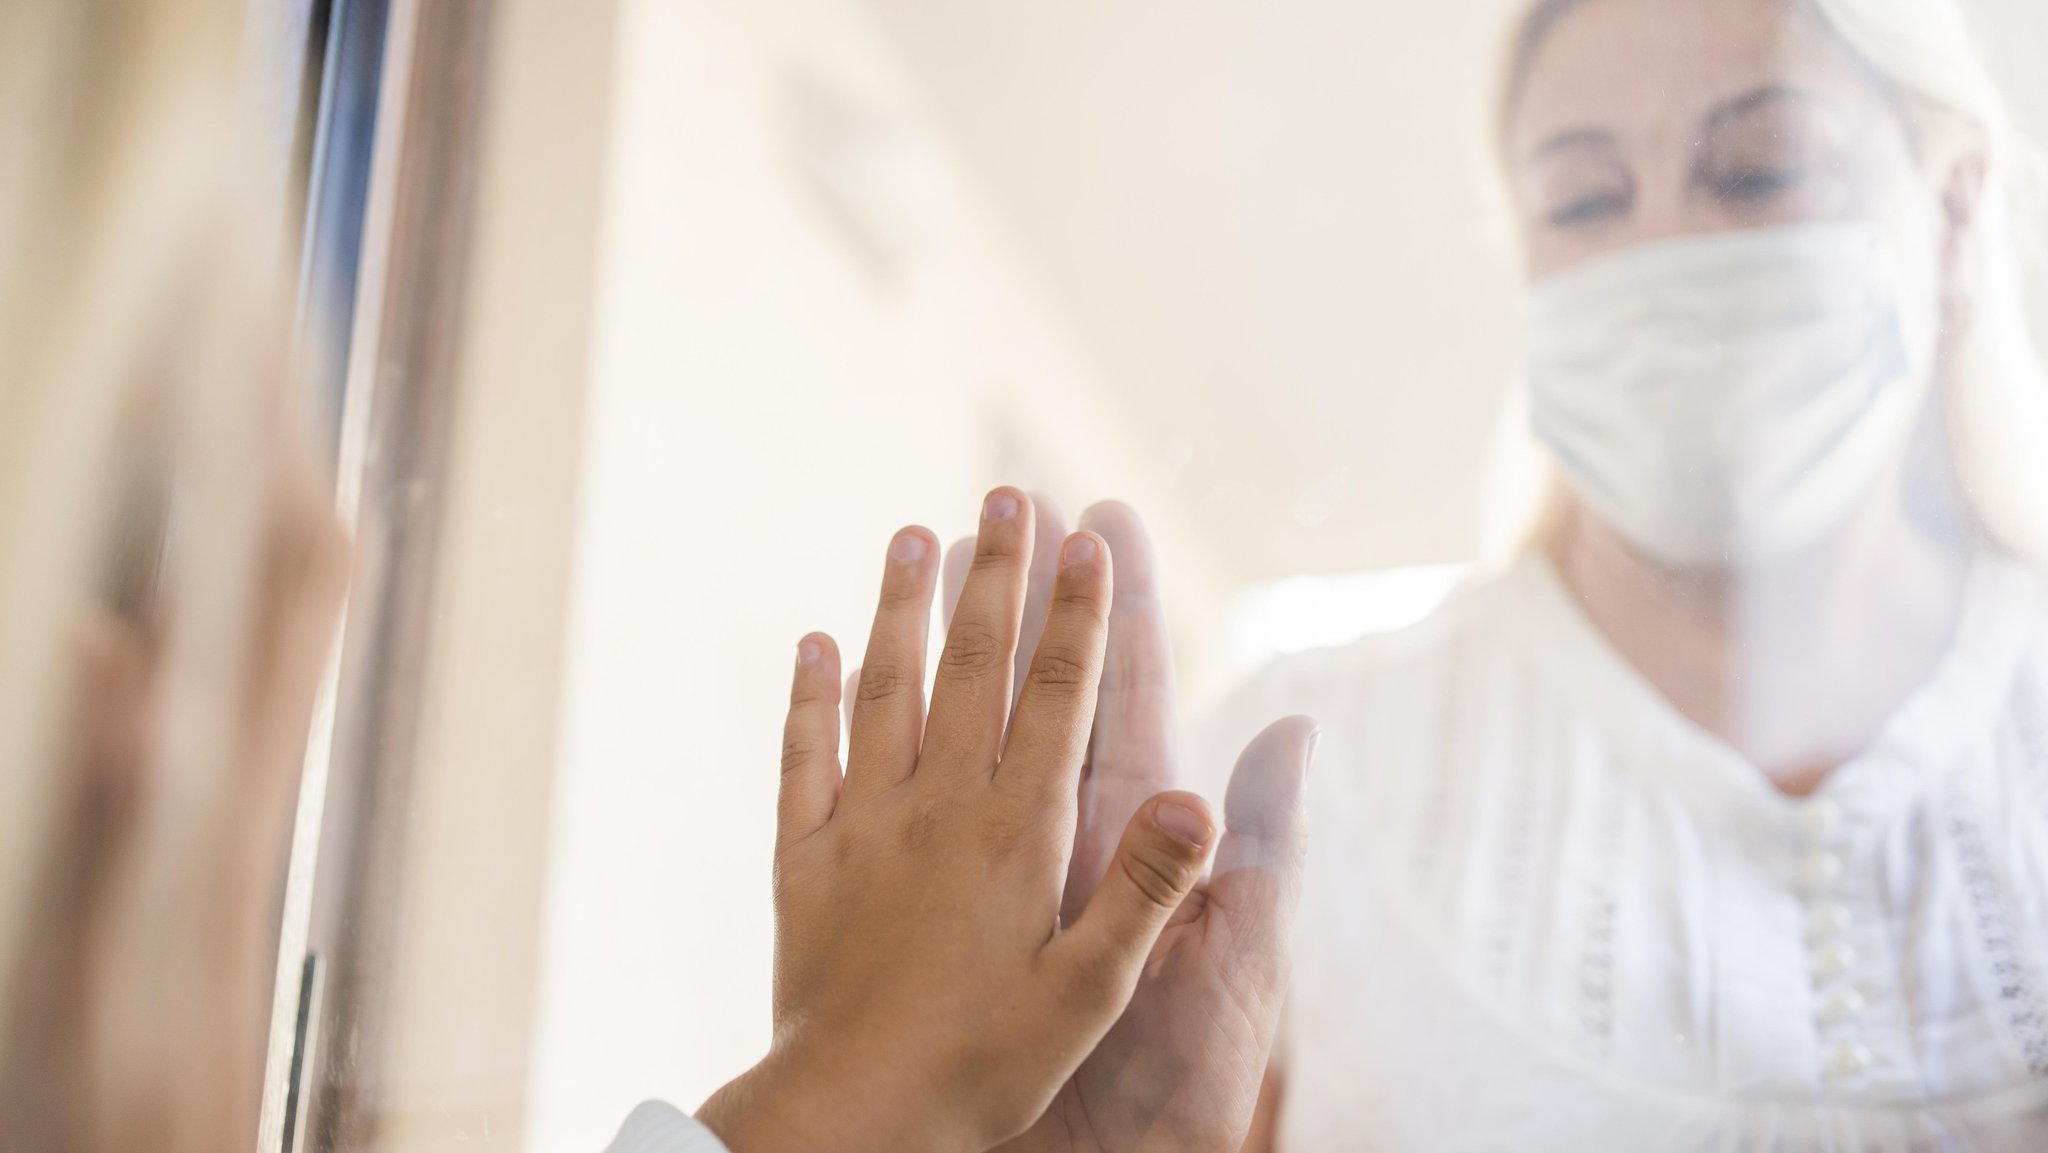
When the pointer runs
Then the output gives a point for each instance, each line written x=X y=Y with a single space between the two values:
x=1713 y=818
x=1705 y=810
x=1659 y=555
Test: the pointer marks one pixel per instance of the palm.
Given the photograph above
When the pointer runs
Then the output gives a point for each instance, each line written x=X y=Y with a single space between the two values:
x=1181 y=1068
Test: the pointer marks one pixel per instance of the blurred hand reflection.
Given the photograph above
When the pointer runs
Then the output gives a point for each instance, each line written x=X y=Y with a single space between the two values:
x=1181 y=1069
x=139 y=1016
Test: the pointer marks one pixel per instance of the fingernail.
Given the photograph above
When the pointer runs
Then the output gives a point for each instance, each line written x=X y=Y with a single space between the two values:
x=1078 y=550
x=999 y=506
x=1183 y=822
x=808 y=652
x=908 y=548
x=1309 y=762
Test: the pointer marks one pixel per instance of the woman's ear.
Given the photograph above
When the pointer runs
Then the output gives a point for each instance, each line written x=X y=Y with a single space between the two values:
x=1962 y=200
x=1962 y=195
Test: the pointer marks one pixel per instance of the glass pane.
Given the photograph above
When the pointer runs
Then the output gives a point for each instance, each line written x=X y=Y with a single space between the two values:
x=1620 y=425
x=1654 y=347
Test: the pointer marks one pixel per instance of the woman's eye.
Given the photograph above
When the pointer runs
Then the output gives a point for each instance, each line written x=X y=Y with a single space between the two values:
x=1596 y=208
x=1749 y=185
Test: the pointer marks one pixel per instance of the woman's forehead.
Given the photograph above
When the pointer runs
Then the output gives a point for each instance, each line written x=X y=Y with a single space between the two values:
x=1643 y=67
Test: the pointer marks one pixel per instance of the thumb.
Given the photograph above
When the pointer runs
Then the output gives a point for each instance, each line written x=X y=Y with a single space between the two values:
x=1157 y=864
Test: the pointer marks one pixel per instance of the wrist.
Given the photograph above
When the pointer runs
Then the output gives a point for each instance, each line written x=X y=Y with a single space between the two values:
x=760 y=1112
x=788 y=1104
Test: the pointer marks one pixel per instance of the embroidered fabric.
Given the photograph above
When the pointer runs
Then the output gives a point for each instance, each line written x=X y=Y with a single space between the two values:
x=1545 y=911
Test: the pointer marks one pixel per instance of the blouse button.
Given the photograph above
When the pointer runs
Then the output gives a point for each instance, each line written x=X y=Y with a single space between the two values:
x=1834 y=961
x=1820 y=870
x=1849 y=1060
x=1819 y=818
x=1841 y=1005
x=1828 y=920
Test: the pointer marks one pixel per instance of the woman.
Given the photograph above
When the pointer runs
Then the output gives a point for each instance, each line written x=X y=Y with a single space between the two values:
x=1718 y=818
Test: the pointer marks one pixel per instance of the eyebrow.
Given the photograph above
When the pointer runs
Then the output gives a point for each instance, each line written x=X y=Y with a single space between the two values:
x=1574 y=138
x=1719 y=116
x=1769 y=94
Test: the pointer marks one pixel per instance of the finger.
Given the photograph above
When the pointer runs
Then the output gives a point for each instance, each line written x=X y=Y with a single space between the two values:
x=1263 y=812
x=303 y=580
x=849 y=696
x=1157 y=864
x=1049 y=731
x=1049 y=529
x=888 y=709
x=959 y=555
x=1131 y=751
x=1134 y=718
x=1256 y=884
x=971 y=691
x=108 y=738
x=810 y=742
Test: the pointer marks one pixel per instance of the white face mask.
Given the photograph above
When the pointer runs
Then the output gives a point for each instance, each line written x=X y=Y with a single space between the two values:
x=1729 y=397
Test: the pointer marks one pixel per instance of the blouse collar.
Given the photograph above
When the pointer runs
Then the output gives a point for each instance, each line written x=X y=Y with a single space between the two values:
x=1925 y=740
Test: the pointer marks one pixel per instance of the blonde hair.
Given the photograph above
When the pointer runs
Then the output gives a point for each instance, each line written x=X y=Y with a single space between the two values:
x=1994 y=385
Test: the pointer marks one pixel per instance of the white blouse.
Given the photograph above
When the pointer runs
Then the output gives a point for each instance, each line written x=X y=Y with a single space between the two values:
x=658 y=1127
x=1545 y=911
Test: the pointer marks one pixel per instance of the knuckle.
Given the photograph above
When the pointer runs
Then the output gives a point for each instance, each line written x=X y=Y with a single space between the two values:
x=922 y=825
x=899 y=598
x=1160 y=880
x=1081 y=597
x=1015 y=832
x=901 y=593
x=1000 y=550
x=799 y=750
x=1061 y=672
x=884 y=682
x=972 y=650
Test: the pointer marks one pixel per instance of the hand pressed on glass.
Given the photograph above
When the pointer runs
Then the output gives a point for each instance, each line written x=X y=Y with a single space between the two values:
x=928 y=992
x=1181 y=1068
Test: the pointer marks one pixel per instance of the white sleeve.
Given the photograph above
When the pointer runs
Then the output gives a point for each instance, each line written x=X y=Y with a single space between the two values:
x=658 y=1127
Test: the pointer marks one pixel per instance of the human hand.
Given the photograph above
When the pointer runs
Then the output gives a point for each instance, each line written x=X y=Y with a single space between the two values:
x=140 y=1007
x=1181 y=1069
x=926 y=995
